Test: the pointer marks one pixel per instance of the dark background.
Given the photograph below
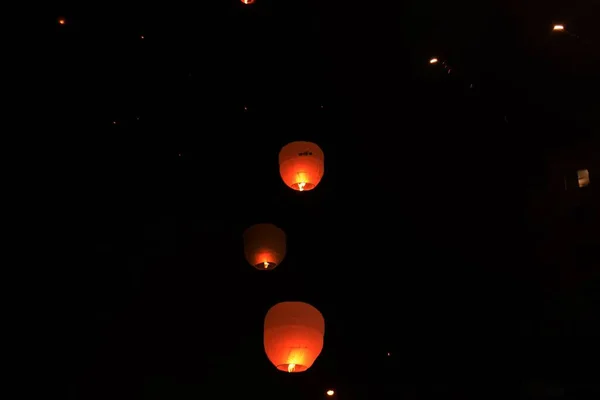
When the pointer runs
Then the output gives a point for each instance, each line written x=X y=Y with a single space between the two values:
x=437 y=234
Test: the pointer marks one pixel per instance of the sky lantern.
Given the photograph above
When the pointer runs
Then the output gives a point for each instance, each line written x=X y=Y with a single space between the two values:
x=264 y=246
x=293 y=336
x=248 y=2
x=301 y=165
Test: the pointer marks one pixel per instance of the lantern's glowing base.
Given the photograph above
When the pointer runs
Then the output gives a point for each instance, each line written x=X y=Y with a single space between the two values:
x=265 y=266
x=302 y=186
x=291 y=368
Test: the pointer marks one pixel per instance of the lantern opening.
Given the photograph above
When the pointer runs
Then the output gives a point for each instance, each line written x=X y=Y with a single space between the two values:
x=292 y=367
x=265 y=265
x=302 y=186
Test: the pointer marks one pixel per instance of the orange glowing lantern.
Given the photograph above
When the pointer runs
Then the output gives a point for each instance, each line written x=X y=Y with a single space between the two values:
x=264 y=246
x=248 y=2
x=293 y=336
x=301 y=165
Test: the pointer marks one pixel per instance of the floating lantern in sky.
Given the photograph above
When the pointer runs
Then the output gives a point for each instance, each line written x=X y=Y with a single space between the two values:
x=293 y=336
x=62 y=21
x=433 y=61
x=264 y=246
x=248 y=2
x=301 y=165
x=330 y=392
x=558 y=27
x=583 y=178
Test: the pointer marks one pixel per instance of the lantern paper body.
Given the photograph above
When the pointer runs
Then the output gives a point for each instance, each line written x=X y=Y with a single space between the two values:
x=293 y=336
x=301 y=165
x=264 y=246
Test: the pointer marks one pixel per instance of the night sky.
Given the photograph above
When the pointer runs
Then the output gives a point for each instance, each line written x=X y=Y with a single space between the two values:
x=447 y=246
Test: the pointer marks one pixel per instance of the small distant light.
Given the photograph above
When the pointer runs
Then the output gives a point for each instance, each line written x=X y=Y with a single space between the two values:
x=179 y=154
x=558 y=28
x=330 y=392
x=433 y=61
x=62 y=21
x=248 y=2
x=114 y=122
x=245 y=108
x=138 y=118
x=389 y=354
x=141 y=37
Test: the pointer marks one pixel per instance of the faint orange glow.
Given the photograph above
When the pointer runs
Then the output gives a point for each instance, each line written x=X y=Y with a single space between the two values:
x=433 y=61
x=583 y=177
x=264 y=246
x=330 y=392
x=293 y=336
x=558 y=28
x=62 y=21
x=248 y=1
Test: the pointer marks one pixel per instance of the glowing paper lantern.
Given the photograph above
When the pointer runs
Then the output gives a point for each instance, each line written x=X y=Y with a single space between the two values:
x=264 y=246
x=583 y=177
x=293 y=336
x=248 y=2
x=301 y=165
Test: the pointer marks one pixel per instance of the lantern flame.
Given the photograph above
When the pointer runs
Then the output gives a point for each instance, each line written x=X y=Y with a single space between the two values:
x=266 y=263
x=301 y=186
x=558 y=28
x=291 y=367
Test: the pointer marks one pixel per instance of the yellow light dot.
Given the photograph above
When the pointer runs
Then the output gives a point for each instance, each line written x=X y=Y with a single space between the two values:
x=330 y=392
x=558 y=28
